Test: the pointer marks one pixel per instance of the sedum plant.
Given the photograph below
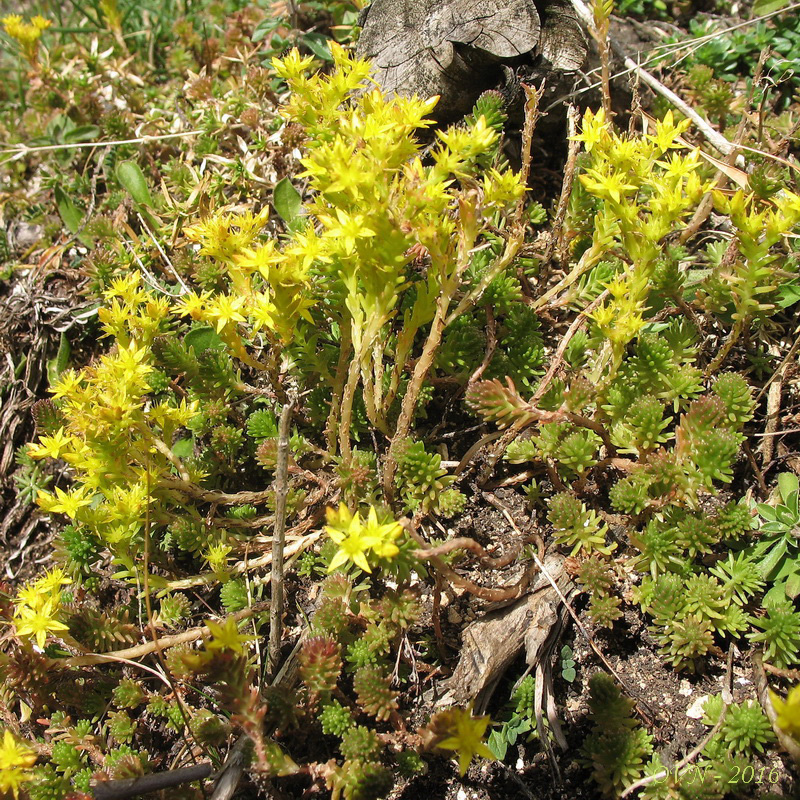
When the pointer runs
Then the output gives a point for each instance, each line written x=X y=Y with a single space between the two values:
x=617 y=747
x=148 y=429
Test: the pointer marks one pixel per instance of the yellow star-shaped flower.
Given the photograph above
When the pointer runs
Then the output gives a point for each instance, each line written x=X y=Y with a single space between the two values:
x=50 y=446
x=226 y=310
x=466 y=736
x=39 y=622
x=16 y=759
x=356 y=540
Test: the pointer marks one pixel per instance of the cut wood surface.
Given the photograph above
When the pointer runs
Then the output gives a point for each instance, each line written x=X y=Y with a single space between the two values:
x=458 y=48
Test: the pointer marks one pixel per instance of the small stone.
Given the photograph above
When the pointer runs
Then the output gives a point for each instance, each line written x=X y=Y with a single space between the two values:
x=695 y=710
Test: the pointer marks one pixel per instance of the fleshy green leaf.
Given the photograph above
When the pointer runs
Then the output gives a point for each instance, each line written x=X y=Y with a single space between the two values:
x=57 y=365
x=787 y=483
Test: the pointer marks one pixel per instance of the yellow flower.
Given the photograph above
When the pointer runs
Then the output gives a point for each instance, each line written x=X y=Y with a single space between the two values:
x=307 y=248
x=64 y=502
x=126 y=288
x=788 y=711
x=192 y=305
x=667 y=132
x=248 y=223
x=226 y=636
x=51 y=446
x=611 y=185
x=466 y=736
x=16 y=758
x=52 y=581
x=350 y=228
x=356 y=540
x=225 y=309
x=262 y=312
x=593 y=131
x=216 y=555
x=67 y=385
x=260 y=258
x=38 y=622
x=292 y=66
x=29 y=596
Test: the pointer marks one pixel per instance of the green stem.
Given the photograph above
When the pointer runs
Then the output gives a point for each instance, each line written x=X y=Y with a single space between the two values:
x=372 y=354
x=332 y=425
x=425 y=361
x=513 y=245
x=377 y=368
x=278 y=540
x=346 y=418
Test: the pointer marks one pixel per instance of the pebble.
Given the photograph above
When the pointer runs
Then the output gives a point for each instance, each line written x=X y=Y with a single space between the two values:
x=695 y=710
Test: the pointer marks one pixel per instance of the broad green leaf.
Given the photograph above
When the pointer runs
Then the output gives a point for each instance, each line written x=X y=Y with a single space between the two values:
x=287 y=202
x=57 y=364
x=788 y=566
x=773 y=559
x=83 y=133
x=132 y=179
x=787 y=483
x=518 y=725
x=183 y=448
x=498 y=745
x=788 y=294
x=777 y=594
x=71 y=215
x=317 y=43
x=793 y=583
x=773 y=527
x=768 y=6
x=204 y=338
x=766 y=512
x=265 y=28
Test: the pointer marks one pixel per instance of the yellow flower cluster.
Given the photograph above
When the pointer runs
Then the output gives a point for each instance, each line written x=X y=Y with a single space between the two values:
x=275 y=302
x=37 y=605
x=644 y=191
x=16 y=760
x=26 y=33
x=760 y=227
x=112 y=427
x=379 y=206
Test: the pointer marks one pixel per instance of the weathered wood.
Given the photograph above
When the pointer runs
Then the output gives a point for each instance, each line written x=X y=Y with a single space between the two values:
x=458 y=49
x=562 y=45
x=491 y=644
